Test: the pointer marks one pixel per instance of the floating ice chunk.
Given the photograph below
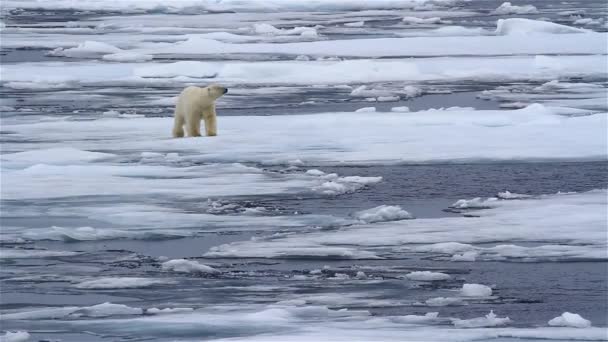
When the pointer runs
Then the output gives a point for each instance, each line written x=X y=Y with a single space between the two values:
x=340 y=276
x=387 y=98
x=120 y=283
x=156 y=311
x=99 y=310
x=507 y=8
x=475 y=290
x=416 y=20
x=87 y=49
x=106 y=309
x=343 y=185
x=361 y=275
x=127 y=57
x=568 y=319
x=363 y=91
x=528 y=26
x=267 y=29
x=17 y=336
x=366 y=110
x=401 y=109
x=475 y=203
x=382 y=213
x=315 y=172
x=490 y=320
x=445 y=247
x=417 y=319
x=411 y=91
x=187 y=266
x=466 y=256
x=355 y=24
x=427 y=276
x=588 y=21
x=40 y=85
x=444 y=301
x=511 y=195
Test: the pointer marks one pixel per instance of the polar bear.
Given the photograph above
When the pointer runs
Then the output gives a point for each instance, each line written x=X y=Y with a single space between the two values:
x=194 y=104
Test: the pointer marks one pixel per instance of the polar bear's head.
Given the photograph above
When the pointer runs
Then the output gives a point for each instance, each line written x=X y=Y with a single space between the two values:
x=215 y=91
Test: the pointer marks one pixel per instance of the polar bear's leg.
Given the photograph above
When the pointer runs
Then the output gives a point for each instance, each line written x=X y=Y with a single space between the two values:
x=210 y=121
x=193 y=125
x=178 y=125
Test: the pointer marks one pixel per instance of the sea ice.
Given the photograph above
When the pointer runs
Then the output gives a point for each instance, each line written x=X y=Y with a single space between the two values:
x=187 y=266
x=490 y=320
x=475 y=290
x=568 y=319
x=382 y=213
x=507 y=8
x=120 y=283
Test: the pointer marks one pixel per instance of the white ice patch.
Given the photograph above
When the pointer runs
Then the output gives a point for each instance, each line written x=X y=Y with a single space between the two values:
x=187 y=266
x=416 y=20
x=490 y=320
x=429 y=317
x=127 y=57
x=156 y=311
x=444 y=301
x=382 y=213
x=51 y=156
x=120 y=283
x=475 y=203
x=99 y=310
x=267 y=29
x=401 y=109
x=333 y=185
x=511 y=195
x=568 y=319
x=366 y=110
x=548 y=221
x=520 y=26
x=15 y=336
x=427 y=276
x=87 y=49
x=411 y=91
x=507 y=8
x=475 y=290
x=137 y=6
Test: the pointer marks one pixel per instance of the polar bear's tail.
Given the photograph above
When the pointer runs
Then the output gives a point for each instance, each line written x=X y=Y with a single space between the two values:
x=178 y=126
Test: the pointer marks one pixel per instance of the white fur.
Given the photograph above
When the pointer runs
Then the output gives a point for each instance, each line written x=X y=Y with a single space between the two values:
x=194 y=104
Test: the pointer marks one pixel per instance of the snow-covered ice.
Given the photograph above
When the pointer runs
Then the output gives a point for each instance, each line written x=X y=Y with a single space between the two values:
x=508 y=8
x=490 y=320
x=187 y=266
x=382 y=213
x=568 y=319
x=385 y=170
x=120 y=283
x=427 y=276
x=476 y=290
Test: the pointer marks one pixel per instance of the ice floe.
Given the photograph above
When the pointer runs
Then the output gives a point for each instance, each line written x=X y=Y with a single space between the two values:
x=187 y=266
x=548 y=221
x=120 y=283
x=508 y=8
x=15 y=336
x=382 y=213
x=568 y=319
x=476 y=290
x=517 y=26
x=490 y=320
x=427 y=276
